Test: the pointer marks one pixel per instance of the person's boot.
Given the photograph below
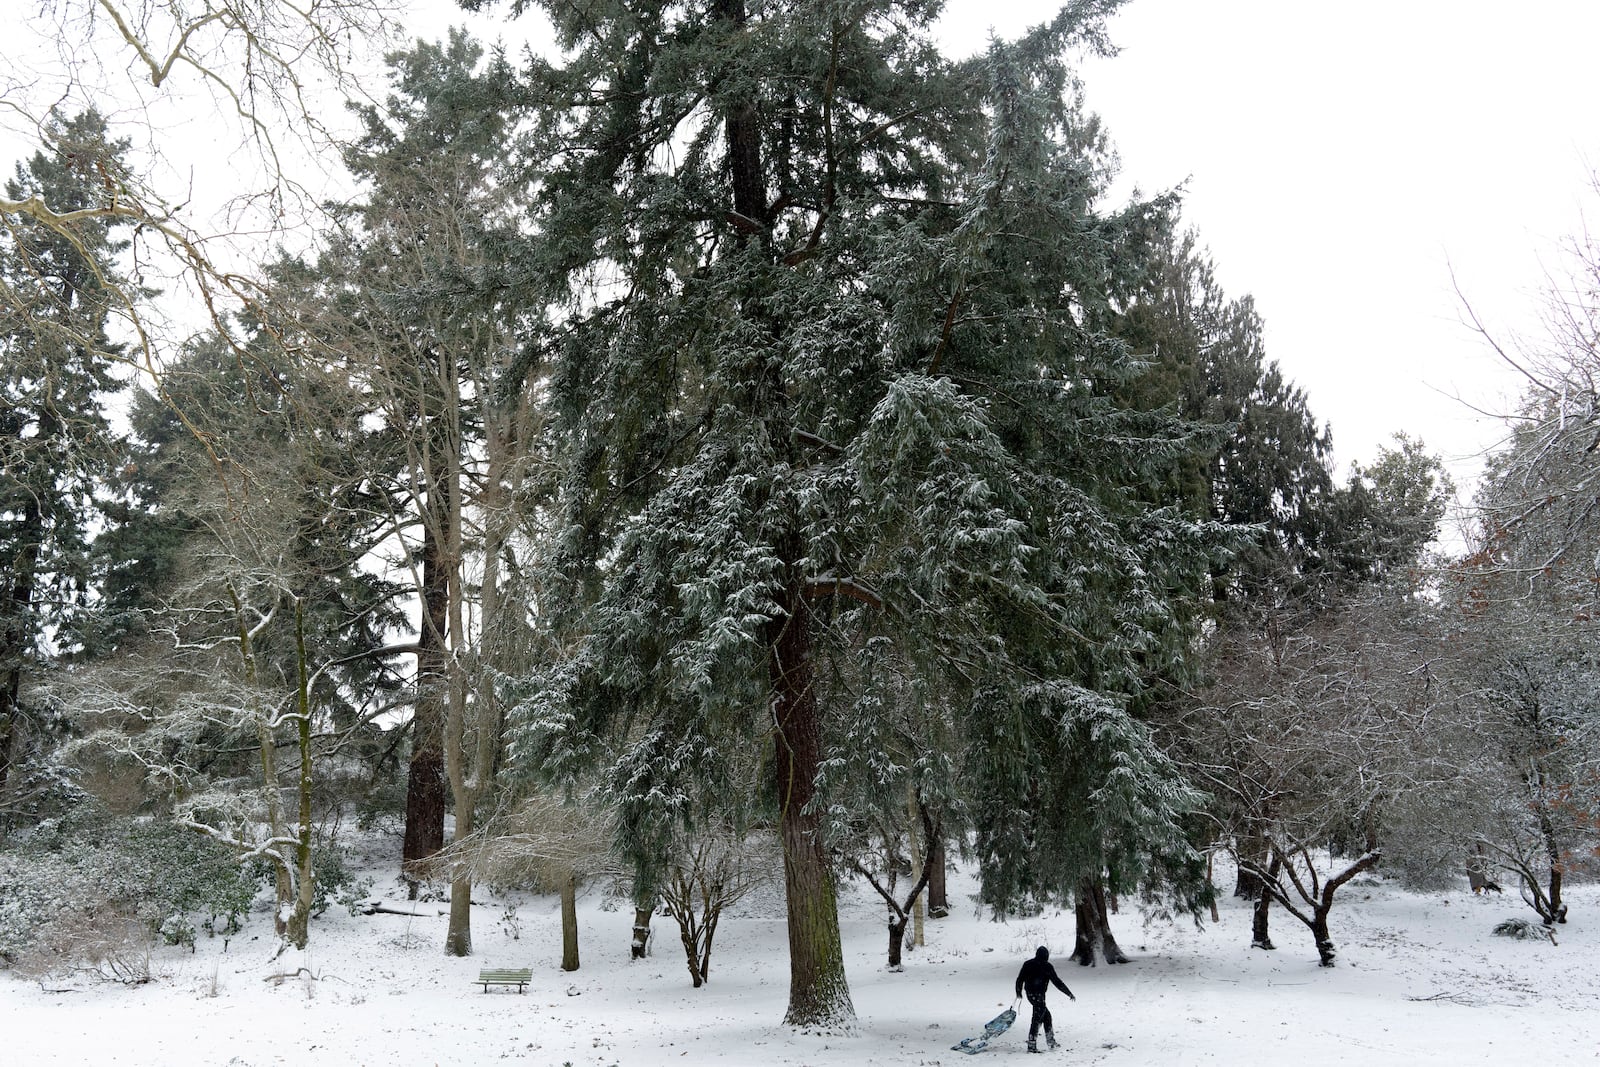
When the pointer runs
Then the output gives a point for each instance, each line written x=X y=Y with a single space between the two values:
x=1033 y=1044
x=1050 y=1039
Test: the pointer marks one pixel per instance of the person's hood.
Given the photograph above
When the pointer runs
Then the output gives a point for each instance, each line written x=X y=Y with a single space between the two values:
x=1042 y=954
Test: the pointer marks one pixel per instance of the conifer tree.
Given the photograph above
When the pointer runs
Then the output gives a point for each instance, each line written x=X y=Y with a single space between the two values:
x=58 y=287
x=425 y=337
x=829 y=353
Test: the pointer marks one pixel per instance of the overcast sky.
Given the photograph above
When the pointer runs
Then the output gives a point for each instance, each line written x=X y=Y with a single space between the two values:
x=1340 y=161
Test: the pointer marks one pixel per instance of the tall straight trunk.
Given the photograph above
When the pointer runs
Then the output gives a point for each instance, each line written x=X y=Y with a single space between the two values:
x=742 y=128
x=425 y=785
x=458 y=936
x=818 y=992
x=938 y=901
x=299 y=925
x=569 y=922
x=15 y=636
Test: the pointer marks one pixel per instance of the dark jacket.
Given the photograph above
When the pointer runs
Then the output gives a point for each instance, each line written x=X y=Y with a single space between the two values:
x=1037 y=975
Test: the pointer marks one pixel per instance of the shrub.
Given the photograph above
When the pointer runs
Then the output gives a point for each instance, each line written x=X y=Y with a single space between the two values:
x=85 y=867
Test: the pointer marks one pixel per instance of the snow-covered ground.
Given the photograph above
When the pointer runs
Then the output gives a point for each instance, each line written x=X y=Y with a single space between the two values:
x=1419 y=981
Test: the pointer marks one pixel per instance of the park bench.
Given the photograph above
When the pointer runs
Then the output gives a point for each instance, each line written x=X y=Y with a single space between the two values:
x=505 y=976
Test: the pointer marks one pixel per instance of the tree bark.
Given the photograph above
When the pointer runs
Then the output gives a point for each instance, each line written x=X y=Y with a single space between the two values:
x=15 y=637
x=458 y=935
x=742 y=128
x=1251 y=853
x=569 y=923
x=938 y=902
x=1558 y=911
x=897 y=939
x=1320 y=935
x=1093 y=926
x=641 y=931
x=299 y=925
x=426 y=784
x=1260 y=935
x=818 y=992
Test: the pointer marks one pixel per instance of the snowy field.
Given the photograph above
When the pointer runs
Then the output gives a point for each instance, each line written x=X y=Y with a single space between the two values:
x=1419 y=981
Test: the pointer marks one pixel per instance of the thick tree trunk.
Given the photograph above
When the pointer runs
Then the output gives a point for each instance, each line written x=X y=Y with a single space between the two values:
x=1093 y=926
x=426 y=784
x=458 y=936
x=569 y=923
x=641 y=932
x=1251 y=853
x=938 y=902
x=742 y=128
x=818 y=992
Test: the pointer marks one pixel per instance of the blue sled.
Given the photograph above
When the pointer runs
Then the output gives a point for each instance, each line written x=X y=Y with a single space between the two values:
x=991 y=1030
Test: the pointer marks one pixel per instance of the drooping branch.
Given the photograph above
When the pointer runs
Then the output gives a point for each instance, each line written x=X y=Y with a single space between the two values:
x=827 y=585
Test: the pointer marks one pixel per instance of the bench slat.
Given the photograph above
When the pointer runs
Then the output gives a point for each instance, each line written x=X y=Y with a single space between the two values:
x=519 y=977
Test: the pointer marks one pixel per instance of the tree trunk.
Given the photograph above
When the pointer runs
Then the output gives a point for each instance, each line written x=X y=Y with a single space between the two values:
x=1260 y=937
x=299 y=926
x=742 y=128
x=938 y=903
x=569 y=923
x=458 y=937
x=897 y=938
x=15 y=637
x=1557 y=910
x=1093 y=926
x=426 y=785
x=1251 y=853
x=641 y=931
x=921 y=852
x=818 y=992
x=1319 y=934
x=1211 y=887
x=691 y=950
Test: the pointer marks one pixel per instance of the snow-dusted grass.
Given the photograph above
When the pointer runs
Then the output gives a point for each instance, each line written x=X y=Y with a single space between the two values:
x=1420 y=980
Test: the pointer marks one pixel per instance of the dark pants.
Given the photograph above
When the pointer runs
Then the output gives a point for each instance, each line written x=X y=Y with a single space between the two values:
x=1041 y=1017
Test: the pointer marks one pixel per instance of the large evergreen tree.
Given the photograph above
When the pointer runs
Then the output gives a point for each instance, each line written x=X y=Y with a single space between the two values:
x=58 y=289
x=424 y=341
x=829 y=350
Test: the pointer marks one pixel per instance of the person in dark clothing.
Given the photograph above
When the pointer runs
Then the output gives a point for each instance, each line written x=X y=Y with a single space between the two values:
x=1033 y=981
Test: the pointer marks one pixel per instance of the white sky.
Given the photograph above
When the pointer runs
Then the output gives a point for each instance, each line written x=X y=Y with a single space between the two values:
x=1340 y=161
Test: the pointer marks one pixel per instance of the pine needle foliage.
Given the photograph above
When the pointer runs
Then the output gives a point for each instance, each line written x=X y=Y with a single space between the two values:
x=829 y=348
